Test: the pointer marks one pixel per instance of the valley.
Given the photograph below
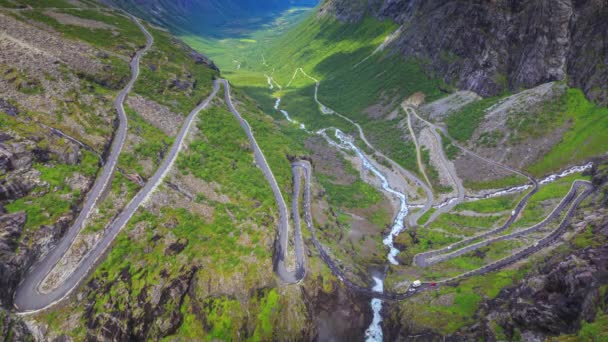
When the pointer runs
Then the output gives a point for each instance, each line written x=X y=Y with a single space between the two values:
x=327 y=184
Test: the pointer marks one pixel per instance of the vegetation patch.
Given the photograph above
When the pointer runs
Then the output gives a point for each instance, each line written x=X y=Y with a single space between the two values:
x=172 y=75
x=585 y=138
x=463 y=123
x=124 y=40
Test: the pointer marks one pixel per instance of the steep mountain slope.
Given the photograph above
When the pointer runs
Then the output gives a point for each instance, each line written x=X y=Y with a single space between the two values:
x=201 y=16
x=368 y=66
x=195 y=262
x=491 y=46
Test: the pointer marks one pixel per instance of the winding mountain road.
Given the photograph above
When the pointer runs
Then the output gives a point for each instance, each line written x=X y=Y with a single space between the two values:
x=544 y=242
x=467 y=151
x=418 y=152
x=468 y=245
x=282 y=241
x=28 y=297
x=520 y=205
x=547 y=240
x=413 y=218
x=497 y=265
x=450 y=169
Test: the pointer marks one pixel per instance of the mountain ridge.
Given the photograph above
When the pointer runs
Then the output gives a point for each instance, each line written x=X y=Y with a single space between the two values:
x=495 y=46
x=199 y=16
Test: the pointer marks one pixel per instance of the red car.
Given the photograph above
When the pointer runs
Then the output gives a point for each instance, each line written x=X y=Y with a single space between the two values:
x=433 y=284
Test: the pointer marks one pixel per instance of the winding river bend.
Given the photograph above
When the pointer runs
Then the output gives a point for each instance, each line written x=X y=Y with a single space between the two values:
x=397 y=226
x=374 y=332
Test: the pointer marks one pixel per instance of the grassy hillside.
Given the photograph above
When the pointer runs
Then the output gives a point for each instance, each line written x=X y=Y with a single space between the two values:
x=209 y=18
x=579 y=124
x=586 y=137
x=340 y=55
x=357 y=81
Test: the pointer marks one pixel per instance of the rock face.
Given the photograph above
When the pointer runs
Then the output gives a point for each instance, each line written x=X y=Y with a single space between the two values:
x=12 y=225
x=9 y=109
x=491 y=46
x=339 y=316
x=19 y=178
x=12 y=328
x=155 y=312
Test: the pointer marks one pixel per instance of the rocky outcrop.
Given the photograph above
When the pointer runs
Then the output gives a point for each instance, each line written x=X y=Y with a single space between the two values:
x=196 y=56
x=20 y=248
x=491 y=46
x=337 y=316
x=554 y=300
x=561 y=293
x=9 y=109
x=12 y=225
x=12 y=328
x=154 y=314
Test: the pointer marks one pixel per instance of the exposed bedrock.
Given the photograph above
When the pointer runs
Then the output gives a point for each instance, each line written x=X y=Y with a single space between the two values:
x=491 y=46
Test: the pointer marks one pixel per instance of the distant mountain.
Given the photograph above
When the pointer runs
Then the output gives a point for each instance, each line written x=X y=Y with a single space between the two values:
x=201 y=16
x=490 y=46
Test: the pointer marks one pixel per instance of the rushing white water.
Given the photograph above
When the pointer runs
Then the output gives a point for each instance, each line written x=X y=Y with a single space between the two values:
x=403 y=210
x=374 y=332
x=572 y=170
x=264 y=60
x=445 y=203
x=549 y=179
x=269 y=80
x=286 y=115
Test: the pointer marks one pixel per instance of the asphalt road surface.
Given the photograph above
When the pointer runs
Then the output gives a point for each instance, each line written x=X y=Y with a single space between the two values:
x=28 y=297
x=282 y=241
x=469 y=245
x=25 y=299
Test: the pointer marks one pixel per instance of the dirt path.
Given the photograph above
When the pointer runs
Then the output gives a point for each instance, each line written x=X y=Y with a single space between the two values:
x=449 y=166
x=418 y=152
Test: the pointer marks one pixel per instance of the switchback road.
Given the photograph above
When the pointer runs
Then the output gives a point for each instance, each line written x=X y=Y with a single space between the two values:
x=568 y=199
x=282 y=241
x=25 y=298
x=28 y=297
x=520 y=206
x=412 y=218
x=468 y=245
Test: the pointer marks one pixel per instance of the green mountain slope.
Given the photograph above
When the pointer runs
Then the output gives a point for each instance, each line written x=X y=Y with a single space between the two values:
x=196 y=261
x=205 y=17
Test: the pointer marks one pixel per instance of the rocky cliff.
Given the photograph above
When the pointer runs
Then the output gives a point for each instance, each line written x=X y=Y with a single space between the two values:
x=20 y=246
x=491 y=46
